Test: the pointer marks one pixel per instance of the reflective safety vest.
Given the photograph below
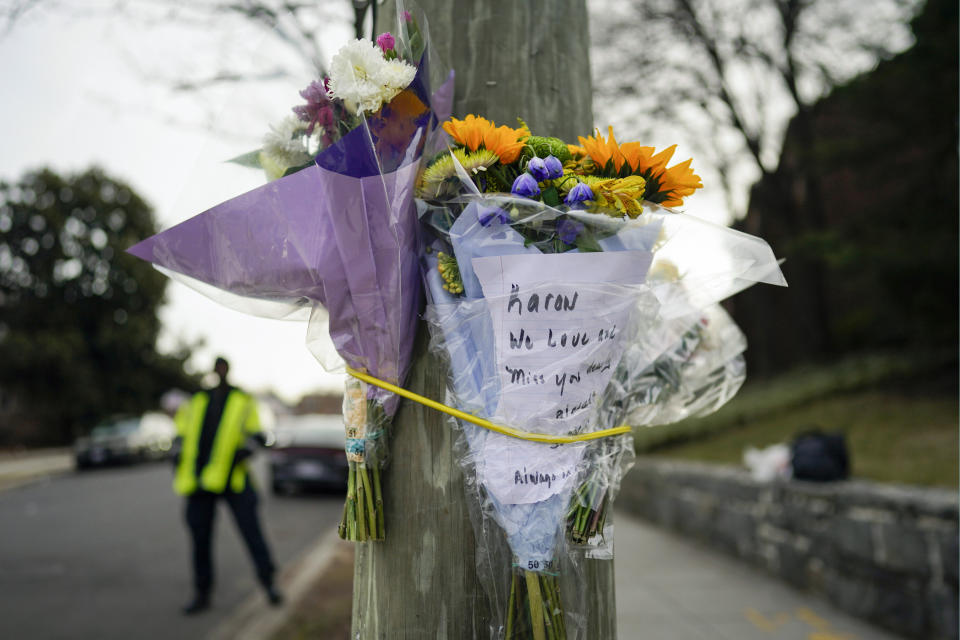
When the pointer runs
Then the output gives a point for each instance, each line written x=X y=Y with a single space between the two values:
x=239 y=420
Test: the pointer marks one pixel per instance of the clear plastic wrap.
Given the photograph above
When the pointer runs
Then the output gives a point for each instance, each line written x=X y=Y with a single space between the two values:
x=617 y=326
x=334 y=235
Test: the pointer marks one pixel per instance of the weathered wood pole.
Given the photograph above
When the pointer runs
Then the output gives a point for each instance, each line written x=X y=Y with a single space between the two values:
x=527 y=59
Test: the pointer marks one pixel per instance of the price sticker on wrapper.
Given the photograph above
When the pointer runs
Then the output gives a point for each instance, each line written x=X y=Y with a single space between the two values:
x=355 y=421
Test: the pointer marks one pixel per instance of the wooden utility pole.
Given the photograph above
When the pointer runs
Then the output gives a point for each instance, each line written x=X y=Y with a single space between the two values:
x=526 y=59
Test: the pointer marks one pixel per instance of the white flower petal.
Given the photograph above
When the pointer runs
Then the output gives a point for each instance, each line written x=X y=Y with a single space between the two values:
x=359 y=74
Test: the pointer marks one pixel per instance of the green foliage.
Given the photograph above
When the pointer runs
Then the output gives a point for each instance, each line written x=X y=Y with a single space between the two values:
x=78 y=316
x=249 y=159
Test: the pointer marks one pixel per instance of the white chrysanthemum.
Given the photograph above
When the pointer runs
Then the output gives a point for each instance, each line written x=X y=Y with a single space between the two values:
x=397 y=74
x=362 y=77
x=284 y=148
x=285 y=142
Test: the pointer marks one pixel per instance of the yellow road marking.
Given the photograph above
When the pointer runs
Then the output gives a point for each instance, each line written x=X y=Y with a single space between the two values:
x=764 y=624
x=806 y=615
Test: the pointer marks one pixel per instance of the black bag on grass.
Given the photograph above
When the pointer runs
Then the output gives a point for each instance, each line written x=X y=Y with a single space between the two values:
x=819 y=456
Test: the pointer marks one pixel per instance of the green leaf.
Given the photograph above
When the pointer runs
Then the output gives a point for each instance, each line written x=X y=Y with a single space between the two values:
x=250 y=159
x=551 y=197
x=587 y=243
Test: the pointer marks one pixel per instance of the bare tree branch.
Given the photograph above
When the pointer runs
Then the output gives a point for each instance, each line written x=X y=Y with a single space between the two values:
x=13 y=11
x=731 y=73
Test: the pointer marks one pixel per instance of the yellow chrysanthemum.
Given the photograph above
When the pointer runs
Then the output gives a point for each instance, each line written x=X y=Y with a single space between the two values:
x=476 y=161
x=474 y=131
x=440 y=178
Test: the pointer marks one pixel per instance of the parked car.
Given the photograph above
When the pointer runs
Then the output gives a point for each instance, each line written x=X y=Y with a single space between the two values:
x=308 y=454
x=126 y=440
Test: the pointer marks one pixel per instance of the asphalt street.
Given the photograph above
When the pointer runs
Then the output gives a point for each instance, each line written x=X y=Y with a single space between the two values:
x=104 y=554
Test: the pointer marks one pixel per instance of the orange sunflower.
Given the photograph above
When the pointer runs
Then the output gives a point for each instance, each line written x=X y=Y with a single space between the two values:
x=603 y=151
x=474 y=131
x=666 y=186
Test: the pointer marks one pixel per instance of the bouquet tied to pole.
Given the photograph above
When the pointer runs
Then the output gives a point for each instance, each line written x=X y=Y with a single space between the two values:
x=333 y=236
x=570 y=303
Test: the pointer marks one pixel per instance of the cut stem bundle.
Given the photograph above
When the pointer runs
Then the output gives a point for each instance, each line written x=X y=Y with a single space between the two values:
x=365 y=423
x=534 y=608
x=588 y=511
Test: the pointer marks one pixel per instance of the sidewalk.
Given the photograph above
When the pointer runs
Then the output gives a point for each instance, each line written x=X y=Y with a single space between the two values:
x=671 y=589
x=20 y=468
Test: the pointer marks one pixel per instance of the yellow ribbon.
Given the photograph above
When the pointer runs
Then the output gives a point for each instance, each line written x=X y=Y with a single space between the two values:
x=486 y=424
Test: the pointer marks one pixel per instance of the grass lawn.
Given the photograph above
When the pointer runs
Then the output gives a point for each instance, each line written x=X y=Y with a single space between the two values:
x=895 y=433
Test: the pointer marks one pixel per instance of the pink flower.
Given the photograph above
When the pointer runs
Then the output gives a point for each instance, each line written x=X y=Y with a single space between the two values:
x=319 y=109
x=386 y=42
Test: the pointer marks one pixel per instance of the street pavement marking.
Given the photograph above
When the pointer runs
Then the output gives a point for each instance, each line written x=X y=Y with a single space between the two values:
x=759 y=621
x=812 y=619
x=820 y=628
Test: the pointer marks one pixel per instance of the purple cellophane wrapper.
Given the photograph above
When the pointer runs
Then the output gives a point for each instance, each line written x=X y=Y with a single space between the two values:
x=341 y=233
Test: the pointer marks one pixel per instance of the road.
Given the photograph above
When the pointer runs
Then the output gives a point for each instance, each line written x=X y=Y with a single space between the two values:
x=104 y=554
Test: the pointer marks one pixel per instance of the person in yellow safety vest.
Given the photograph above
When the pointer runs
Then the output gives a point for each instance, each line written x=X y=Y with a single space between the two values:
x=214 y=429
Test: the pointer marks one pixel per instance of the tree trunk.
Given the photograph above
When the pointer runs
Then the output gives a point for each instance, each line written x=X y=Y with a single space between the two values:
x=526 y=59
x=513 y=59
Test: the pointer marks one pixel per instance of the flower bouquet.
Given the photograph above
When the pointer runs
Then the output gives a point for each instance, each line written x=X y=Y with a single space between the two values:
x=556 y=279
x=333 y=235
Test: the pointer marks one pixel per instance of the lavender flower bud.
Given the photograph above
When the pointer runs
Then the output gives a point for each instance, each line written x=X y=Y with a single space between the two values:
x=525 y=185
x=538 y=169
x=580 y=193
x=554 y=167
x=568 y=230
x=486 y=215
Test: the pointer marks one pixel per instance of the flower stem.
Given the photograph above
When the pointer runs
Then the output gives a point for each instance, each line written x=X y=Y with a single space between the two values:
x=361 y=501
x=513 y=592
x=536 y=605
x=378 y=499
x=368 y=494
x=349 y=530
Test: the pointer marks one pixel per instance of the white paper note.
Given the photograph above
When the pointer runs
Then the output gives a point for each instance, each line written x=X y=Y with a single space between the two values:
x=559 y=325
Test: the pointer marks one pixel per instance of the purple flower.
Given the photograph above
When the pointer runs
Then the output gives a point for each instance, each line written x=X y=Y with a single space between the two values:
x=578 y=194
x=538 y=169
x=407 y=17
x=568 y=230
x=554 y=167
x=385 y=41
x=525 y=185
x=486 y=215
x=318 y=110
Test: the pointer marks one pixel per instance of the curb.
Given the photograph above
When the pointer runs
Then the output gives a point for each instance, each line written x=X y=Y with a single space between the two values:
x=255 y=619
x=21 y=470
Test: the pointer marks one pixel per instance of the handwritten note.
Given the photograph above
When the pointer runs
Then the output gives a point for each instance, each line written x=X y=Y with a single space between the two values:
x=559 y=324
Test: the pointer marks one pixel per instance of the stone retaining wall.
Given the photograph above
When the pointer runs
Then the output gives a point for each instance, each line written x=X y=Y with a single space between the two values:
x=885 y=553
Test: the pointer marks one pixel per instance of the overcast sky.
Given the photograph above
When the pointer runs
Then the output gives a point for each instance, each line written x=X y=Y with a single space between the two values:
x=89 y=91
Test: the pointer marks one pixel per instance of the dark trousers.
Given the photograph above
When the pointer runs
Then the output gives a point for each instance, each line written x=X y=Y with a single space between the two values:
x=200 y=511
